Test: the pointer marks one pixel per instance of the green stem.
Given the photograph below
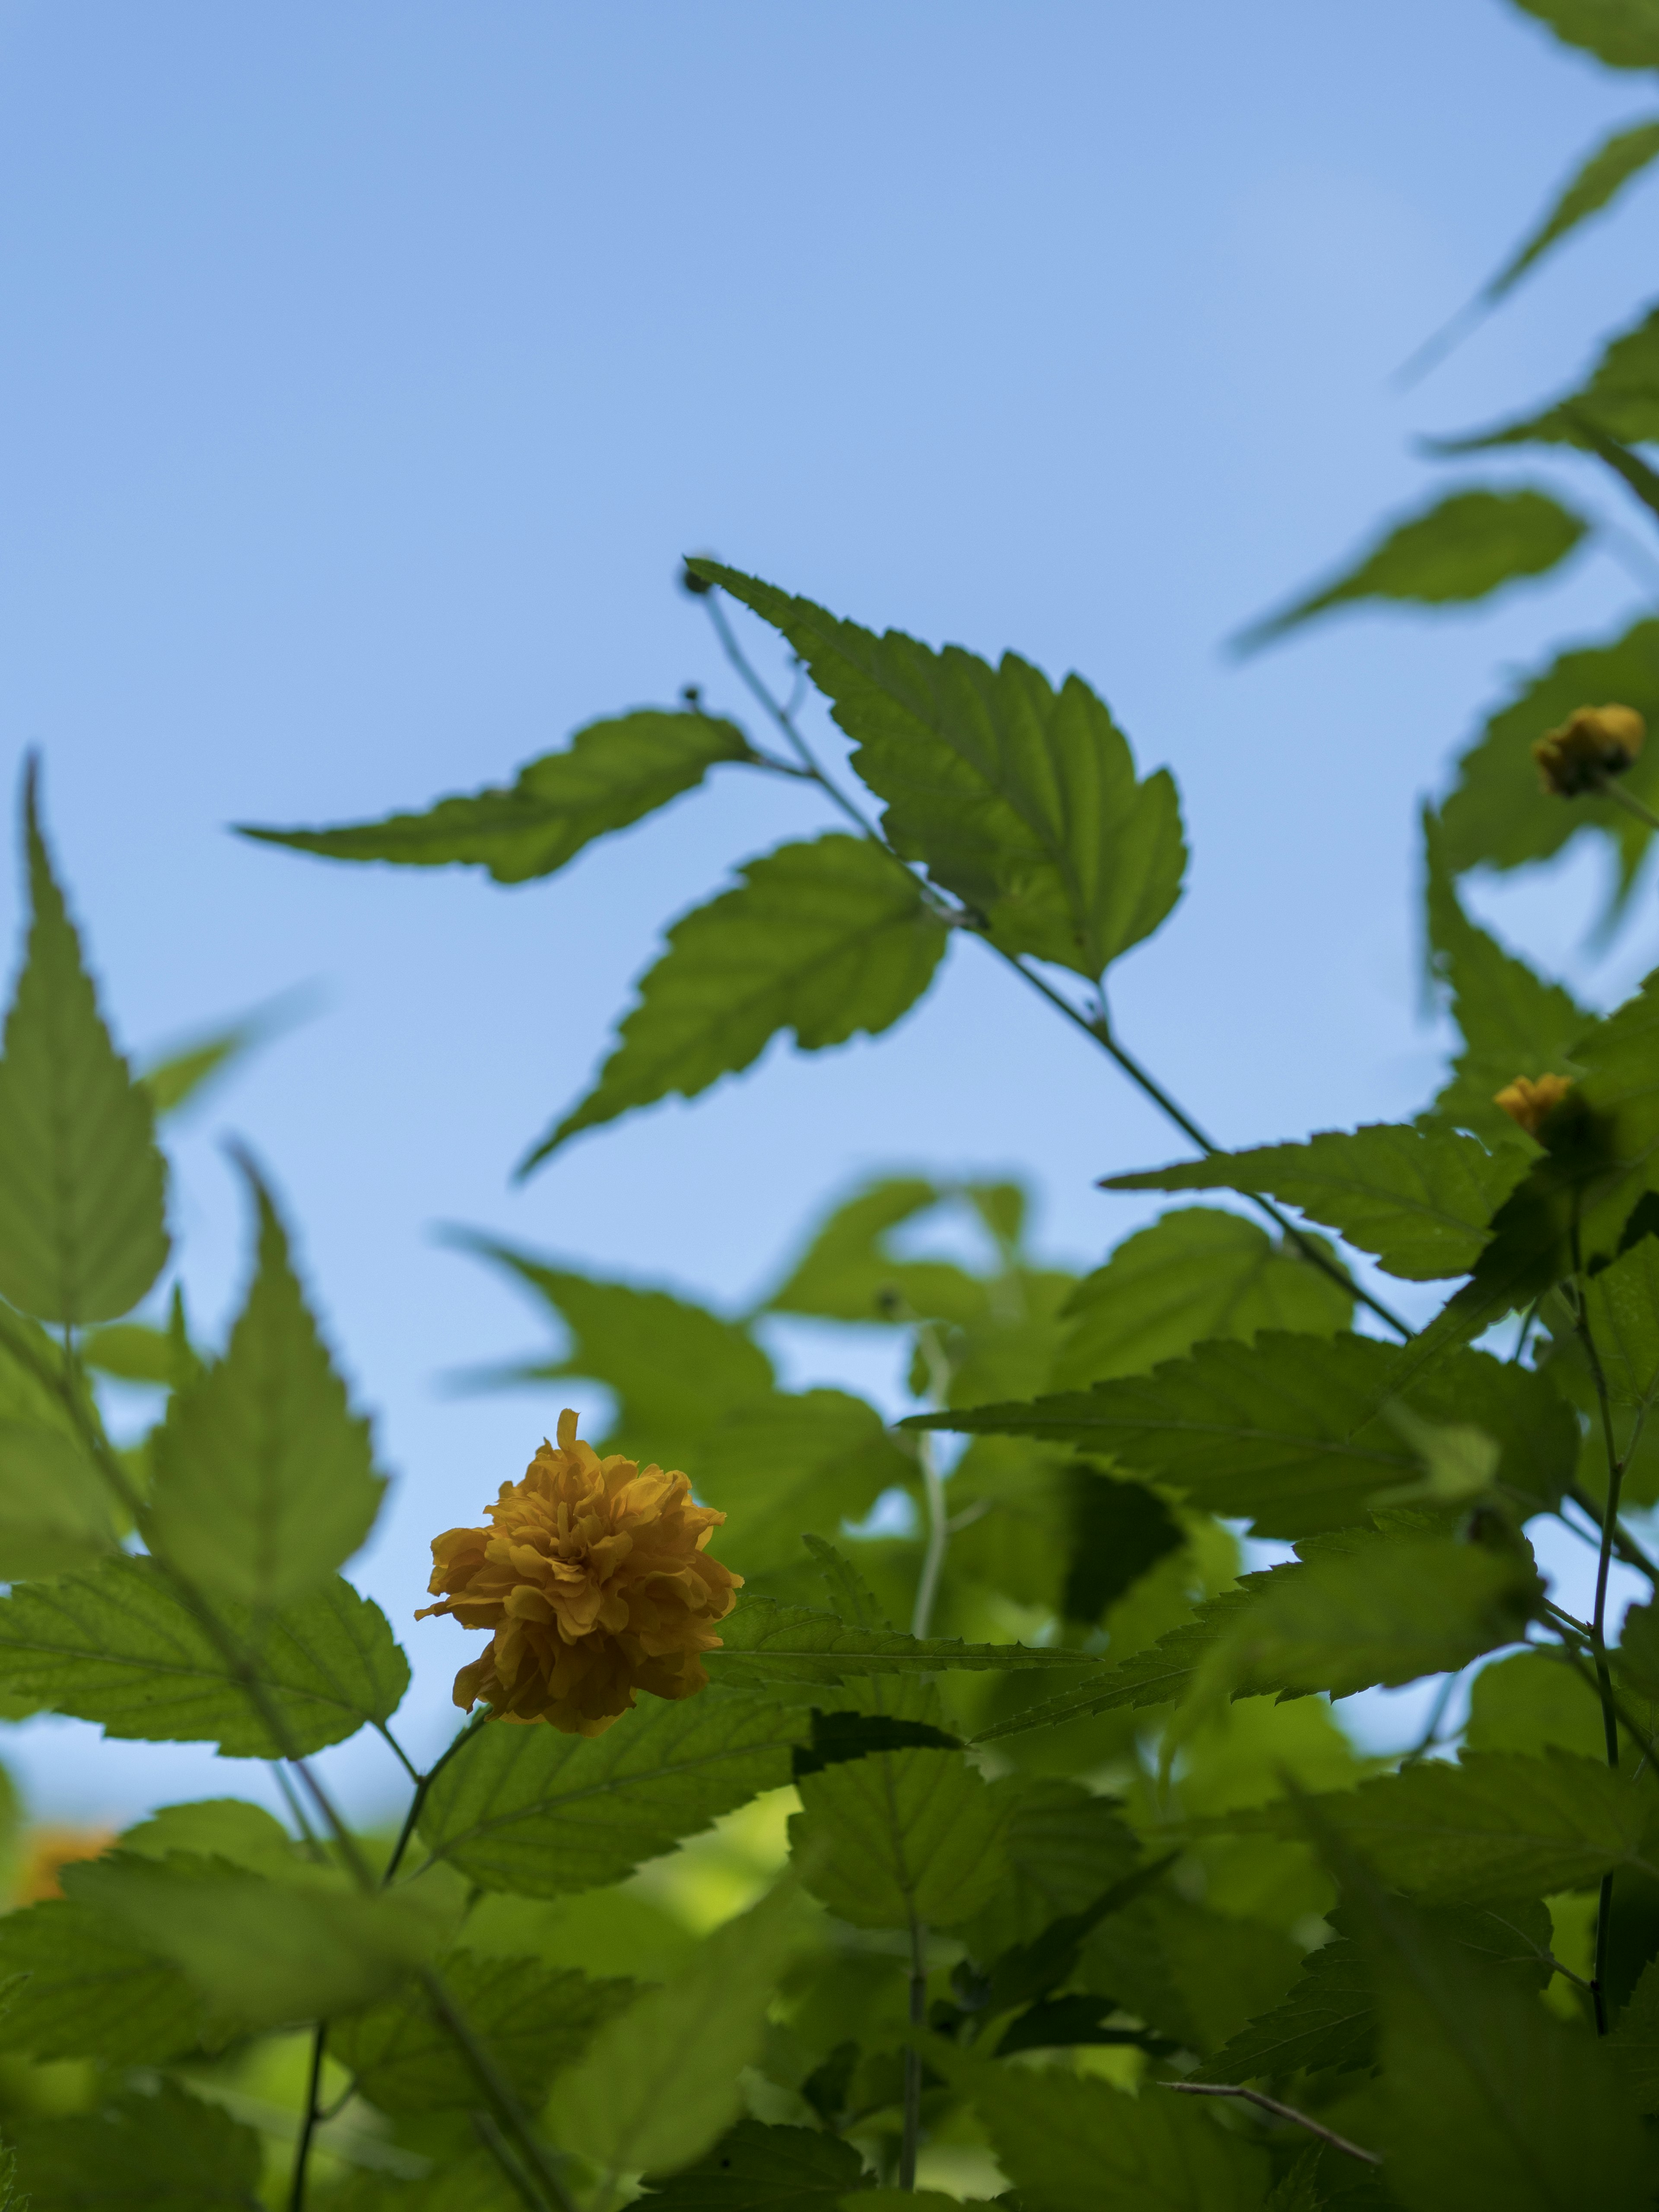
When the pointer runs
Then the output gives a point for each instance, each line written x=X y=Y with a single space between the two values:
x=933 y=1487
x=1611 y=788
x=1623 y=1542
x=503 y=2103
x=422 y=1785
x=1609 y=1519
x=505 y=2157
x=296 y=2197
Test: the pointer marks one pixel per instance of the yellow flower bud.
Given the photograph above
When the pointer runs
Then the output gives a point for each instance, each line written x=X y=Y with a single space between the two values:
x=596 y=1583
x=1529 y=1102
x=1593 y=743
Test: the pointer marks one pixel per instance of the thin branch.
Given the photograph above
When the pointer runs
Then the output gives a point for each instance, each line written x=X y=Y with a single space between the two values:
x=504 y=2155
x=297 y=2195
x=402 y=1756
x=1623 y=1543
x=1279 y=2111
x=1425 y=1742
x=422 y=1785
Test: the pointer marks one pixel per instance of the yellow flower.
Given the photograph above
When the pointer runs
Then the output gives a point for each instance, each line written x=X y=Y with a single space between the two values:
x=1528 y=1101
x=596 y=1583
x=1593 y=743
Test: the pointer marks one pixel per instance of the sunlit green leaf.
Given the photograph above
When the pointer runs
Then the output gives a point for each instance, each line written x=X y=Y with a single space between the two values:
x=1461 y=547
x=765 y=1641
x=1531 y=1701
x=827 y=940
x=778 y=1463
x=1022 y=801
x=898 y=1836
x=82 y=1186
x=265 y=1482
x=220 y=1827
x=1620 y=396
x=613 y=773
x=1419 y=1200
x=1623 y=34
x=848 y=1272
x=1598 y=179
x=54 y=1508
x=155 y=2149
x=79 y=1986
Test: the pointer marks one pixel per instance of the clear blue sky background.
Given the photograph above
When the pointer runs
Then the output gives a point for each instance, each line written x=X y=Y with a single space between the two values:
x=365 y=371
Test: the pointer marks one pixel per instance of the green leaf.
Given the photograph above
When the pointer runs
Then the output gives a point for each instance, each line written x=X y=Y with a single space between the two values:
x=1063 y=1847
x=79 y=1986
x=1532 y=1701
x=118 y=1645
x=1159 y=1674
x=532 y=2019
x=1633 y=2046
x=1597 y=180
x=82 y=1187
x=1074 y=2145
x=899 y=1837
x=780 y=1462
x=146 y=2151
x=531 y=1810
x=1020 y=800
x=220 y=1827
x=1419 y=1200
x=1462 y=547
x=1286 y=1432
x=755 y=2168
x=613 y=773
x=828 y=939
x=659 y=2082
x=765 y=1641
x=264 y=1480
x=1195 y=1974
x=1620 y=397
x=260 y=1952
x=1623 y=34
x=180 y=1078
x=53 y=1513
x=1195 y=1274
x=1622 y=1304
x=1496 y=1825
x=131 y=1350
x=848 y=1272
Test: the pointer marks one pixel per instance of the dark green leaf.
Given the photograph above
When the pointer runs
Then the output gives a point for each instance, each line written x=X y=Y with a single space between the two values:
x=1161 y=1672
x=1021 y=800
x=614 y=772
x=1634 y=2046
x=79 y=1986
x=265 y=1482
x=1623 y=34
x=116 y=1645
x=532 y=2019
x=765 y=1641
x=83 y=1188
x=754 y=2168
x=1119 y=1530
x=160 y=2150
x=1194 y=1274
x=1461 y=548
x=1597 y=180
x=54 y=1513
x=828 y=939
x=1420 y=1200
x=531 y=1810
x=1530 y=1702
x=1193 y=1974
x=1620 y=396
x=1064 y=1847
x=839 y=1737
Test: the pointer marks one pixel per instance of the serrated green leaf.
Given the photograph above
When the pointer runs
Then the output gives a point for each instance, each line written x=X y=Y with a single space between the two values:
x=1620 y=397
x=828 y=939
x=1021 y=800
x=118 y=1645
x=613 y=773
x=848 y=1272
x=765 y=1641
x=1419 y=1200
x=160 y=2150
x=900 y=1837
x=78 y=1985
x=265 y=1482
x=1286 y=1432
x=755 y=2168
x=82 y=1187
x=532 y=2019
x=778 y=1462
x=1496 y=1825
x=531 y=1810
x=261 y=1952
x=1194 y=1274
x=659 y=2082
x=54 y=1514
x=1623 y=34
x=1599 y=178
x=1461 y=547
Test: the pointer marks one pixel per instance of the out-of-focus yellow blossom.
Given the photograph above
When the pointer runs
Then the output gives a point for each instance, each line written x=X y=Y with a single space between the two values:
x=1528 y=1101
x=595 y=1580
x=1593 y=743
x=46 y=1850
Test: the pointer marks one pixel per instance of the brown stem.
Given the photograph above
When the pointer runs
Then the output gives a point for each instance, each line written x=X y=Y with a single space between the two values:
x=1279 y=2111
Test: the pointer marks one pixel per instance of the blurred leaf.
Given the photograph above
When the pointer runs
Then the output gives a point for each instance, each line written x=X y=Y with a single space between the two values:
x=1120 y=1529
x=132 y=1351
x=847 y=1273
x=1531 y=1701
x=1621 y=397
x=532 y=2019
x=765 y=1641
x=220 y=1827
x=1495 y=1825
x=1598 y=179
x=1419 y=1200
x=531 y=1810
x=659 y=2082
x=1461 y=547
x=183 y=1075
x=898 y=1836
x=1193 y=1974
x=265 y=1482
x=260 y=1952
x=1021 y=800
x=1623 y=34
x=754 y=2168
x=1622 y=1304
x=1063 y=1847
x=613 y=773
x=1195 y=1274
x=160 y=2149
x=778 y=1463
x=1633 y=2046
x=78 y=1985
x=1285 y=1432
x=116 y=1645
x=82 y=1187
x=53 y=1513
x=828 y=939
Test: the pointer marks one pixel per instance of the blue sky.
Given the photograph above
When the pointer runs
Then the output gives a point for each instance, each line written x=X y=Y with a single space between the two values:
x=367 y=369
